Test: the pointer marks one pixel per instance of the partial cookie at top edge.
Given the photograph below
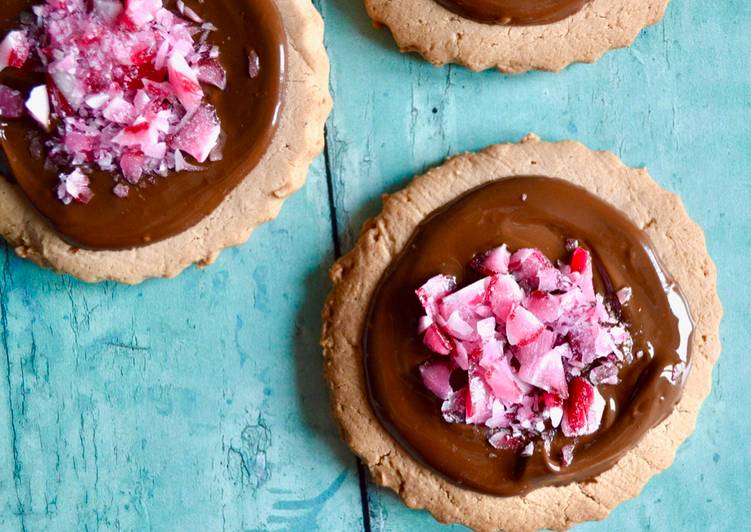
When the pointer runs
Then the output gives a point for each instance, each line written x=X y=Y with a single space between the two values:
x=257 y=199
x=442 y=37
x=680 y=244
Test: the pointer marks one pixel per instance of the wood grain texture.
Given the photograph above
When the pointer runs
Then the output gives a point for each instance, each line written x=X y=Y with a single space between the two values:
x=186 y=404
x=198 y=403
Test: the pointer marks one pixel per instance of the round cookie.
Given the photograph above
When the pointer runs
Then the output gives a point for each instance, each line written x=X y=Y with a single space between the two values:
x=442 y=36
x=281 y=171
x=682 y=250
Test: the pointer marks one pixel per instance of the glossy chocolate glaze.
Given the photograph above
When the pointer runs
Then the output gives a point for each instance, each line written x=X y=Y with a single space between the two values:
x=551 y=212
x=249 y=110
x=514 y=12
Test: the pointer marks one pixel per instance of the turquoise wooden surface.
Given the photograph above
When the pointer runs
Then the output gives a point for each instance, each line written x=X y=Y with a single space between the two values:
x=198 y=403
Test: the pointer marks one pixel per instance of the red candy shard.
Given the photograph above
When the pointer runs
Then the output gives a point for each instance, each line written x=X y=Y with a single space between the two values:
x=14 y=49
x=11 y=103
x=522 y=327
x=435 y=375
x=531 y=343
x=583 y=410
x=579 y=260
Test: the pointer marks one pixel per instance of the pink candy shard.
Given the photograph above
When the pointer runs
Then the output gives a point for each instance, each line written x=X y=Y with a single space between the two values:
x=14 y=50
x=435 y=375
x=131 y=164
x=500 y=378
x=184 y=82
x=212 y=72
x=533 y=343
x=454 y=408
x=493 y=261
x=526 y=264
x=583 y=410
x=546 y=371
x=436 y=341
x=503 y=293
x=74 y=186
x=479 y=403
x=471 y=295
x=433 y=290
x=11 y=103
x=199 y=135
x=544 y=305
x=522 y=327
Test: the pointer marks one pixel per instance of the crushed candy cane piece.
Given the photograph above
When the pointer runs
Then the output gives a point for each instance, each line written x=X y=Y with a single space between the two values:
x=493 y=261
x=14 y=50
x=436 y=375
x=199 y=134
x=583 y=410
x=11 y=103
x=123 y=91
x=532 y=339
x=38 y=106
x=74 y=186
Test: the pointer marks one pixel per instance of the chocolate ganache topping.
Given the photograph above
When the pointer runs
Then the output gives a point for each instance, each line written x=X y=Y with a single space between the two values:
x=514 y=12
x=526 y=212
x=249 y=110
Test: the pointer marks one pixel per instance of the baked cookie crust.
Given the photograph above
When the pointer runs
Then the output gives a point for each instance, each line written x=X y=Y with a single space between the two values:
x=682 y=249
x=257 y=199
x=441 y=36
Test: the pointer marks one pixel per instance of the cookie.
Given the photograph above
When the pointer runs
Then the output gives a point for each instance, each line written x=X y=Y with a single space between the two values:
x=444 y=36
x=139 y=231
x=401 y=461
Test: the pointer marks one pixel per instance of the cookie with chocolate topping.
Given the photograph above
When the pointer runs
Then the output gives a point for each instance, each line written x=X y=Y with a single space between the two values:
x=523 y=337
x=514 y=35
x=141 y=136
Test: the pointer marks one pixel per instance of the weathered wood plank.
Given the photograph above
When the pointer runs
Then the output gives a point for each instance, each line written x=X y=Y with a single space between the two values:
x=186 y=404
x=678 y=101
